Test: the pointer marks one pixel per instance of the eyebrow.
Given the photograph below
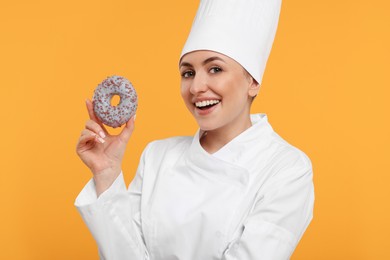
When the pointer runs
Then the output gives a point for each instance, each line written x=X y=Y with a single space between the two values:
x=208 y=60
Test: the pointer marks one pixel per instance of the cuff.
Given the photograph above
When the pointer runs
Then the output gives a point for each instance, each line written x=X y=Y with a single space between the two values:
x=88 y=196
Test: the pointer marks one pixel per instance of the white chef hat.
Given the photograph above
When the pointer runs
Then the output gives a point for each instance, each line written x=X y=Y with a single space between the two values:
x=244 y=30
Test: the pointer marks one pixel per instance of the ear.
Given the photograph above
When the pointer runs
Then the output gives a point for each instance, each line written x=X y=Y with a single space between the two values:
x=254 y=87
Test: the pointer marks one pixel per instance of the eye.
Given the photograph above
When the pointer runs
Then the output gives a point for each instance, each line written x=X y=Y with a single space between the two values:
x=215 y=69
x=187 y=74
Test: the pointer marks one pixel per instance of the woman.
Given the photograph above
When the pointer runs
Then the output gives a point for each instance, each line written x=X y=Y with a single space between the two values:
x=236 y=190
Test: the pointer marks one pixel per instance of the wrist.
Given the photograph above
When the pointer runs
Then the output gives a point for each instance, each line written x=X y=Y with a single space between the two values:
x=104 y=179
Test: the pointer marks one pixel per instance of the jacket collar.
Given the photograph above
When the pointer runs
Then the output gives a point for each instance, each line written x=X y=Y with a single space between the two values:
x=231 y=161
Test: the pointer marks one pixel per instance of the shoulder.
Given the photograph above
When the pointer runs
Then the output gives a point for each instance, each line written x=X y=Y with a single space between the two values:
x=160 y=155
x=270 y=147
x=176 y=142
x=289 y=171
x=173 y=145
x=288 y=158
x=289 y=153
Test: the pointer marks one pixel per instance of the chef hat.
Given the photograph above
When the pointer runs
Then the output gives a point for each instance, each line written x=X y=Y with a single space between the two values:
x=244 y=30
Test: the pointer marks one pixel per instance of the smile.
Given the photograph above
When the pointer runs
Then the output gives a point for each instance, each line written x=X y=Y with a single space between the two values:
x=206 y=103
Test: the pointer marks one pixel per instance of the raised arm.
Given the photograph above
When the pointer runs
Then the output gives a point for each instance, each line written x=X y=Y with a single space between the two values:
x=101 y=152
x=111 y=212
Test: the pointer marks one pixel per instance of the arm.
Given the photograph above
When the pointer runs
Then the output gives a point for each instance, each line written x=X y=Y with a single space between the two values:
x=278 y=219
x=114 y=218
x=109 y=210
x=101 y=152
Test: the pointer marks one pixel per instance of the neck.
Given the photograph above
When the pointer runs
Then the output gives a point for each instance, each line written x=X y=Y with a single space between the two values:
x=215 y=139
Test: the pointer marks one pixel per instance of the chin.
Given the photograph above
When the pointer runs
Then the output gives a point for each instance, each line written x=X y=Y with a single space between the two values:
x=206 y=126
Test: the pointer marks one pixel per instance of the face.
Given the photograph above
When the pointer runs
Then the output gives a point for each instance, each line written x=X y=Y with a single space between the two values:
x=216 y=90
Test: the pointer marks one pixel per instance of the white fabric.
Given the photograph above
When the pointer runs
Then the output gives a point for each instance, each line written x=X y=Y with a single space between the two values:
x=253 y=199
x=244 y=30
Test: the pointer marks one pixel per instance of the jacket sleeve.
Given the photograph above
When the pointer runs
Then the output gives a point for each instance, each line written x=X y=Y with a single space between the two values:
x=114 y=218
x=279 y=217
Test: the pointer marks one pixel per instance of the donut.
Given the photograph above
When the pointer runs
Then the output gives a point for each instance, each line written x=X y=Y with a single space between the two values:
x=115 y=116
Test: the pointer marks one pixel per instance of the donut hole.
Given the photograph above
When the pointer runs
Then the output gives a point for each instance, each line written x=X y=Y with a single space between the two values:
x=115 y=99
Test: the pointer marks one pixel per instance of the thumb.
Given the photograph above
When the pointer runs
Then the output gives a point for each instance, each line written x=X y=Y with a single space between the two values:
x=127 y=130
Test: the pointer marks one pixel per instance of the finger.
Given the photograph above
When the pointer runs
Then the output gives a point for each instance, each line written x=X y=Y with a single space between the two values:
x=127 y=130
x=92 y=115
x=88 y=136
x=95 y=128
x=87 y=132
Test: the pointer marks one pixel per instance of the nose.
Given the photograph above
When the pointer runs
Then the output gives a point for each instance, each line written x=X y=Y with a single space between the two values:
x=199 y=84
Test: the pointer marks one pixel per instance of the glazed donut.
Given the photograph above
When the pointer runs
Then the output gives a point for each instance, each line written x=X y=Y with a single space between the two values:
x=115 y=116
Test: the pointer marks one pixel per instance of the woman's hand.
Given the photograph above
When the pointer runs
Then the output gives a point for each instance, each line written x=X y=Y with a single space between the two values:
x=102 y=152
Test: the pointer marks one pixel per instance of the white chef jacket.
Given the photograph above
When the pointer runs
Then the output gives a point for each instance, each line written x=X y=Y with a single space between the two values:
x=253 y=199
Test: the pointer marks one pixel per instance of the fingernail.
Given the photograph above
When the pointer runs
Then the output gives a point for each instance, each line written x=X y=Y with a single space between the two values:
x=102 y=135
x=134 y=117
x=101 y=140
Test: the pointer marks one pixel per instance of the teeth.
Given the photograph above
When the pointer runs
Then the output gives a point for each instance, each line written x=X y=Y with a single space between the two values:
x=206 y=103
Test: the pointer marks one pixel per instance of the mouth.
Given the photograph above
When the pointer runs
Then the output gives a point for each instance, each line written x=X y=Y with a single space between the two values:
x=206 y=104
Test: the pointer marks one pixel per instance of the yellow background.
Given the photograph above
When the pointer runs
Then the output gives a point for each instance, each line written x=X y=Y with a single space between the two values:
x=325 y=90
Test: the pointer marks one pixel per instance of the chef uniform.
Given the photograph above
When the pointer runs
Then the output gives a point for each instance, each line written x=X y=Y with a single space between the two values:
x=252 y=199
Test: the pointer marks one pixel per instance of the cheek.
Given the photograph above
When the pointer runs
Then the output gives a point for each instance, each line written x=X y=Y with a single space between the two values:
x=184 y=92
x=182 y=89
x=237 y=94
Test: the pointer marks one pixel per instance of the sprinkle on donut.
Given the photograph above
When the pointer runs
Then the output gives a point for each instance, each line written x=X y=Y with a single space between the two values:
x=115 y=116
